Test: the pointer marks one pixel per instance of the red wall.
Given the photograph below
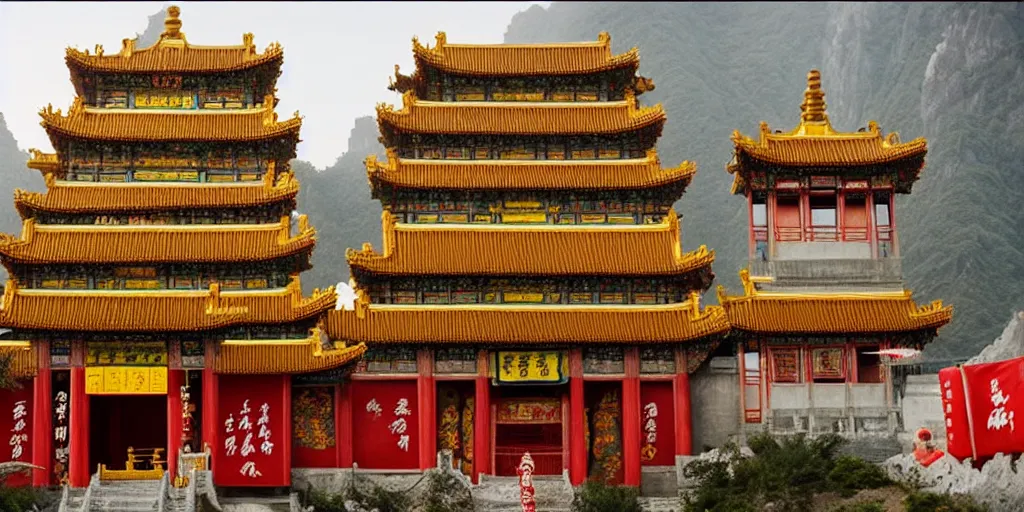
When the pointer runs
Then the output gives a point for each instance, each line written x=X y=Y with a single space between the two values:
x=231 y=468
x=16 y=402
x=787 y=211
x=314 y=434
x=376 y=446
x=658 y=411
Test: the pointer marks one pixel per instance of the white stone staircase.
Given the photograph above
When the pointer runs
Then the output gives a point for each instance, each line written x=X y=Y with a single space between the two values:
x=124 y=496
x=501 y=494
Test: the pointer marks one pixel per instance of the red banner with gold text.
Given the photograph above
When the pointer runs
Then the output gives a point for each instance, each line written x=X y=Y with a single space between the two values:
x=252 y=413
x=983 y=406
x=16 y=425
x=657 y=422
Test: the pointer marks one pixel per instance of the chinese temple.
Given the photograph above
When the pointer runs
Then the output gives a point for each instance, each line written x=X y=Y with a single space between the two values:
x=154 y=308
x=531 y=293
x=823 y=298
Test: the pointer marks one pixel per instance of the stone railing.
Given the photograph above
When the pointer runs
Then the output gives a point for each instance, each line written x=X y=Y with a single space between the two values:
x=161 y=500
x=64 y=498
x=94 y=482
x=831 y=272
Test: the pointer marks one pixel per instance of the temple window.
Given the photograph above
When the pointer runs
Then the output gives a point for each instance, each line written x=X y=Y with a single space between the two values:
x=869 y=366
x=883 y=224
x=823 y=216
x=468 y=89
x=222 y=97
x=112 y=98
x=556 y=150
x=516 y=90
x=787 y=218
x=518 y=151
x=855 y=217
x=458 y=153
x=759 y=225
x=583 y=148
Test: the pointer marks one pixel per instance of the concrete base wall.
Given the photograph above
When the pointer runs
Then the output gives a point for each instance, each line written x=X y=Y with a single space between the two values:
x=715 y=399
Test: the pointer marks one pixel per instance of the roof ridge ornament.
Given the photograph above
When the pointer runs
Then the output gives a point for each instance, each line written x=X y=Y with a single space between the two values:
x=172 y=36
x=813 y=108
x=440 y=40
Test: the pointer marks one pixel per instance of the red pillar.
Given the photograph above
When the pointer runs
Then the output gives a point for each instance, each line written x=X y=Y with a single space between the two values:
x=577 y=418
x=175 y=380
x=42 y=418
x=482 y=419
x=631 y=418
x=286 y=408
x=210 y=409
x=427 y=393
x=78 y=459
x=681 y=390
x=343 y=422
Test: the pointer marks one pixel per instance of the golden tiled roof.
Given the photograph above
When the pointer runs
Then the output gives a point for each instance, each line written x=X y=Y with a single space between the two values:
x=825 y=313
x=268 y=357
x=24 y=360
x=502 y=249
x=65 y=243
x=173 y=54
x=527 y=174
x=162 y=310
x=515 y=118
x=377 y=323
x=813 y=143
x=525 y=59
x=150 y=125
x=87 y=197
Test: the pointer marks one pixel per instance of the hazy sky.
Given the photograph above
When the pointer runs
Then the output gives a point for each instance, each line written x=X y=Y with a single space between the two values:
x=337 y=56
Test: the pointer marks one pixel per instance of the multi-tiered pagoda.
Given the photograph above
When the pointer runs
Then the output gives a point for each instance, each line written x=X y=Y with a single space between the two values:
x=531 y=294
x=824 y=294
x=155 y=305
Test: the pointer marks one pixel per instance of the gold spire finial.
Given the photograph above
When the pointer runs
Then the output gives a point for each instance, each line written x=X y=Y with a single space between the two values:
x=172 y=25
x=813 y=108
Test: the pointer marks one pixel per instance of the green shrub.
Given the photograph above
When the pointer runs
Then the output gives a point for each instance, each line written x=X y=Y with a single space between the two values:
x=786 y=472
x=18 y=499
x=596 y=496
x=377 y=497
x=919 y=501
x=445 y=494
x=851 y=474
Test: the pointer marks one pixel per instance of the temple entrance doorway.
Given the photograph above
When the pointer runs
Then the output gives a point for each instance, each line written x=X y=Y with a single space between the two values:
x=603 y=431
x=120 y=422
x=530 y=418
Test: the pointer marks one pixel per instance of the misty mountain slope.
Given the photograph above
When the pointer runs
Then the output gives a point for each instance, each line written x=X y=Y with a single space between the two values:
x=339 y=206
x=13 y=174
x=950 y=72
x=716 y=68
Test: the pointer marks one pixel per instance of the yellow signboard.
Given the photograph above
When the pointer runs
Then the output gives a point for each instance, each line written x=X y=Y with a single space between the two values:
x=529 y=367
x=126 y=380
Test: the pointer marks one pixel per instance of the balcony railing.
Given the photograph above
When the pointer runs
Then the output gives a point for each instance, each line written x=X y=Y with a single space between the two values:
x=837 y=272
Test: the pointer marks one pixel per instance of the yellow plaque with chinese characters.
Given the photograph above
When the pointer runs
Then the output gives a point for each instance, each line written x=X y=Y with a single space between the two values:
x=126 y=380
x=529 y=368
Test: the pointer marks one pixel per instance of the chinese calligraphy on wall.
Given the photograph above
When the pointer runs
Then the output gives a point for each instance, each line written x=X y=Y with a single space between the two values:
x=60 y=436
x=650 y=424
x=399 y=427
x=244 y=429
x=20 y=435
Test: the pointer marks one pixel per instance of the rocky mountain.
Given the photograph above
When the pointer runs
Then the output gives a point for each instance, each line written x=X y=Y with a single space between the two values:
x=337 y=200
x=945 y=71
x=13 y=174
